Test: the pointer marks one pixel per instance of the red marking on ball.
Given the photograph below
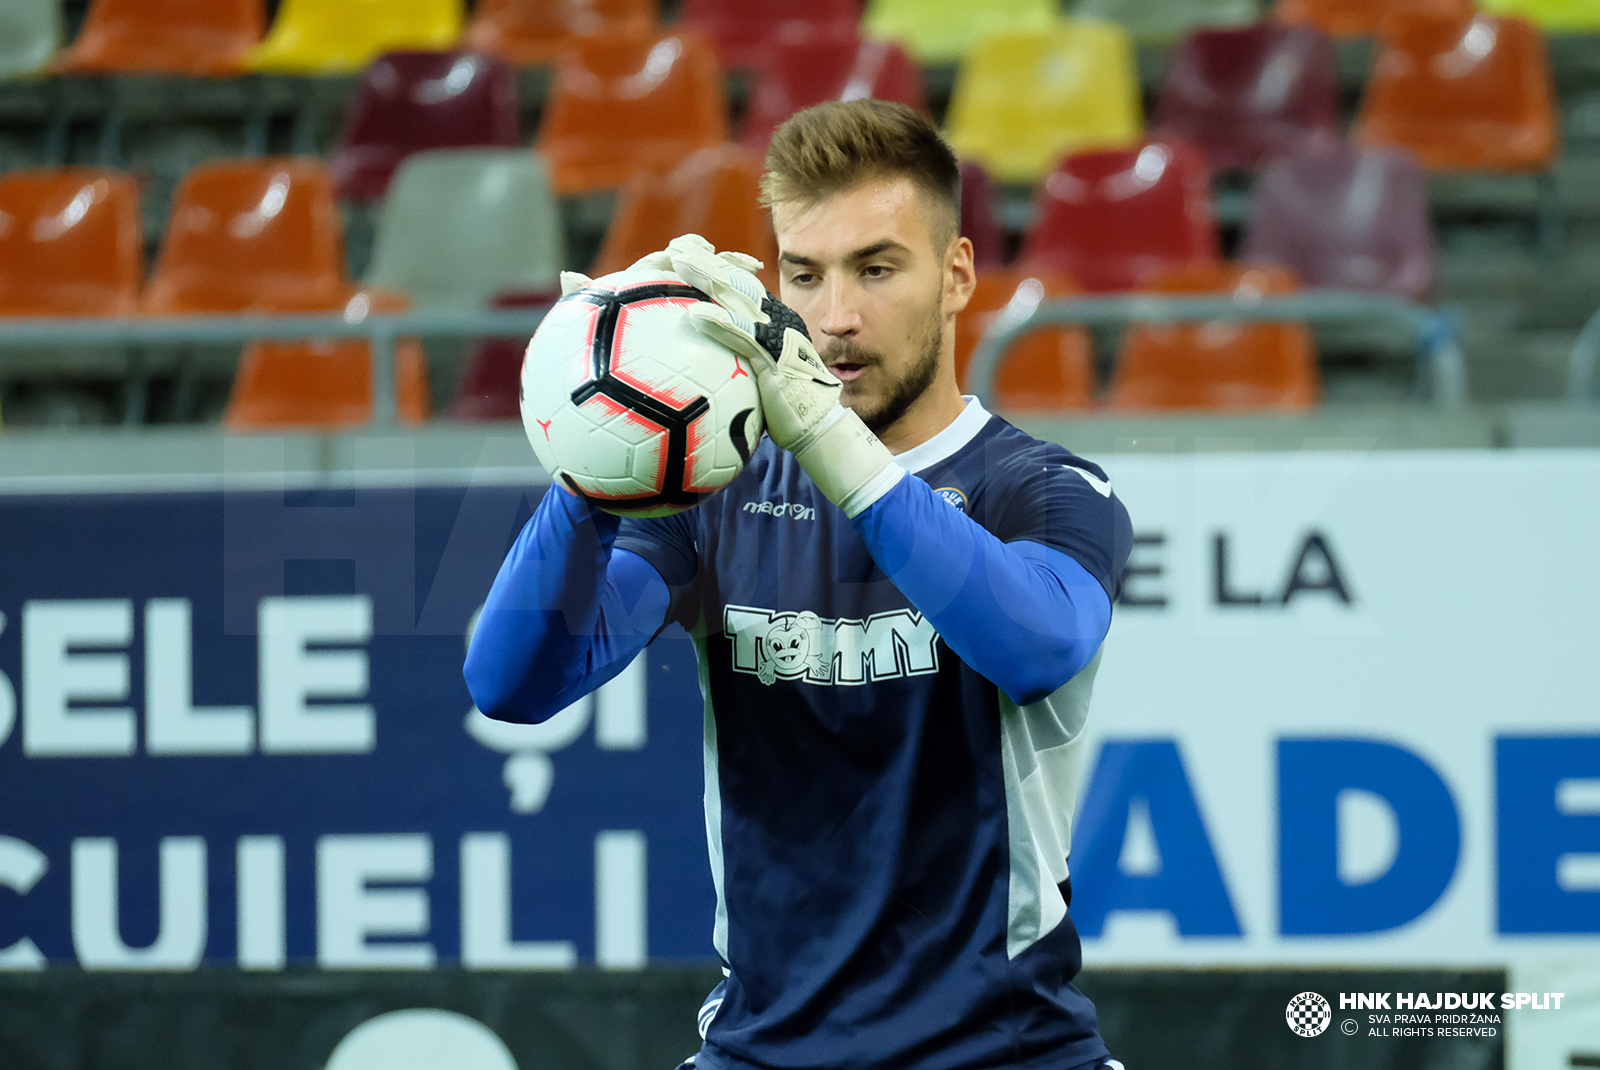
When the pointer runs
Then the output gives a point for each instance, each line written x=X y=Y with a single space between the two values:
x=546 y=425
x=738 y=370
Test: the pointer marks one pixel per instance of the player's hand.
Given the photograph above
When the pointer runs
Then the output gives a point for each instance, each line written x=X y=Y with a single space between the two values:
x=573 y=281
x=799 y=395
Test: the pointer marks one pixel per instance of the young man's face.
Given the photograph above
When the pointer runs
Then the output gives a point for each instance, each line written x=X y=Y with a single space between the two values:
x=879 y=291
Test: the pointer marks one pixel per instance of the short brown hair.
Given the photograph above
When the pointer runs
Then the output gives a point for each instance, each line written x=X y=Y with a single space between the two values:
x=830 y=147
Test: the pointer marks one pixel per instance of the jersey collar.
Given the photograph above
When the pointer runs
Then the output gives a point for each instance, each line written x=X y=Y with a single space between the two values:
x=947 y=443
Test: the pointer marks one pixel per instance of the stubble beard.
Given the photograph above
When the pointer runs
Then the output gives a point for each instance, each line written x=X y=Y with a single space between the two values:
x=908 y=388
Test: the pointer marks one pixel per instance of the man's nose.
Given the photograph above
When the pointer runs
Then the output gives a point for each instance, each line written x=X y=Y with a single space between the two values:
x=841 y=315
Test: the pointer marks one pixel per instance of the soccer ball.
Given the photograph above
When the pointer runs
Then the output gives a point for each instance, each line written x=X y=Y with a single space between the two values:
x=631 y=407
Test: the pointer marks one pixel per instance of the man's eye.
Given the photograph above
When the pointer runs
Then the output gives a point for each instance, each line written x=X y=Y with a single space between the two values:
x=803 y=278
x=877 y=271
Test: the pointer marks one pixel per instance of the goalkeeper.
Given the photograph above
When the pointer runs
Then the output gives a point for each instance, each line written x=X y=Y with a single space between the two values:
x=896 y=669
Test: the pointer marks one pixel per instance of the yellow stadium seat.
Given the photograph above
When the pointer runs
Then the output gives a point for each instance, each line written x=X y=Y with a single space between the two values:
x=943 y=31
x=1558 y=16
x=1024 y=100
x=343 y=36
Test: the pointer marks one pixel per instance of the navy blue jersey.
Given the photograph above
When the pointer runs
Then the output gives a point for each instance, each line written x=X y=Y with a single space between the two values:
x=888 y=829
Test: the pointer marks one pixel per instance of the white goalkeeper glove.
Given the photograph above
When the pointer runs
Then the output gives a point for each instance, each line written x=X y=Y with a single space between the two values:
x=799 y=395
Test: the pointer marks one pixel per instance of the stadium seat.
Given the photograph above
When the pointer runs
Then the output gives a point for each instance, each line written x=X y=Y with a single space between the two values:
x=1463 y=94
x=408 y=102
x=1109 y=219
x=802 y=66
x=944 y=31
x=740 y=29
x=69 y=243
x=1217 y=365
x=625 y=104
x=1023 y=100
x=1361 y=18
x=165 y=36
x=343 y=36
x=1048 y=370
x=1555 y=16
x=980 y=217
x=531 y=32
x=320 y=384
x=460 y=225
x=251 y=236
x=30 y=33
x=491 y=387
x=1161 y=21
x=1247 y=95
x=1343 y=217
x=714 y=193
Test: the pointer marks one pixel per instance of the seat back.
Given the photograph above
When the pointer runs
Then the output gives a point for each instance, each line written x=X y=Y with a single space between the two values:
x=460 y=225
x=343 y=36
x=1161 y=21
x=944 y=31
x=1343 y=217
x=803 y=66
x=980 y=217
x=1217 y=365
x=491 y=386
x=69 y=243
x=741 y=29
x=412 y=101
x=529 y=32
x=1556 y=16
x=1247 y=95
x=714 y=193
x=1023 y=100
x=321 y=384
x=30 y=33
x=1110 y=219
x=1359 y=18
x=1051 y=369
x=625 y=104
x=1472 y=93
x=251 y=236
x=166 y=36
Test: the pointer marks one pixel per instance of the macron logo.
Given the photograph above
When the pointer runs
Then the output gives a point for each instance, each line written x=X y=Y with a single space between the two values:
x=792 y=510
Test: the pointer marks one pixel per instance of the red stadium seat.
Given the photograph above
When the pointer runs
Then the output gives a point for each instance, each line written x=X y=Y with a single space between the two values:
x=1359 y=18
x=626 y=104
x=166 y=37
x=1470 y=93
x=1217 y=365
x=412 y=101
x=1048 y=370
x=491 y=388
x=1247 y=95
x=1345 y=218
x=741 y=29
x=714 y=193
x=980 y=216
x=69 y=243
x=1110 y=219
x=530 y=32
x=803 y=66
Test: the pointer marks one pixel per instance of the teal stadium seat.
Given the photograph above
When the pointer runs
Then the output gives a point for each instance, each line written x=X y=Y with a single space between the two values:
x=30 y=33
x=460 y=225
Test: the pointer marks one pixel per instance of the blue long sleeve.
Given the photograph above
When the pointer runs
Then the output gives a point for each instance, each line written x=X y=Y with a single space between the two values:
x=1026 y=616
x=565 y=614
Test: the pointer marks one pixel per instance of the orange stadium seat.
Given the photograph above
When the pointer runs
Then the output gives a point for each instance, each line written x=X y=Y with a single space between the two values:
x=69 y=243
x=166 y=36
x=1361 y=18
x=343 y=36
x=1110 y=219
x=626 y=104
x=320 y=384
x=529 y=32
x=714 y=193
x=1462 y=93
x=1048 y=370
x=1217 y=365
x=741 y=29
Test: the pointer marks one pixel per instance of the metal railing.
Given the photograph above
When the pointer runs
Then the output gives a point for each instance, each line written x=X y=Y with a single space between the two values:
x=1438 y=352
x=382 y=330
x=1582 y=366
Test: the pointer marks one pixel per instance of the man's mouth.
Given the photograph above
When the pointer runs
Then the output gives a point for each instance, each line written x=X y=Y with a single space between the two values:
x=846 y=370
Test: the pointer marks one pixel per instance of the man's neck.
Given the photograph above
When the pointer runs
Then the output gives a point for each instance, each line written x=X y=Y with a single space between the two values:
x=928 y=415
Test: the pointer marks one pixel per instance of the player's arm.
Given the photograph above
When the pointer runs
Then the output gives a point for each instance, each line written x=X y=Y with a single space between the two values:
x=566 y=613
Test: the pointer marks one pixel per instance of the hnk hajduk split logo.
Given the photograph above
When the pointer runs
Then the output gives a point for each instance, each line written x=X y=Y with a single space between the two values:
x=1308 y=1014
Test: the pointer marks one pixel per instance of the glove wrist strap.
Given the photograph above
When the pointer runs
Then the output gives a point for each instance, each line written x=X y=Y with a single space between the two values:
x=848 y=463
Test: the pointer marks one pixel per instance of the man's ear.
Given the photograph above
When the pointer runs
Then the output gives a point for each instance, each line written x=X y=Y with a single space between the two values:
x=961 y=275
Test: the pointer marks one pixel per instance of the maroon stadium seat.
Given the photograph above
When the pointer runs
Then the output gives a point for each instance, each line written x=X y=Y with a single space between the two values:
x=410 y=101
x=740 y=28
x=980 y=219
x=1248 y=95
x=491 y=386
x=1109 y=219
